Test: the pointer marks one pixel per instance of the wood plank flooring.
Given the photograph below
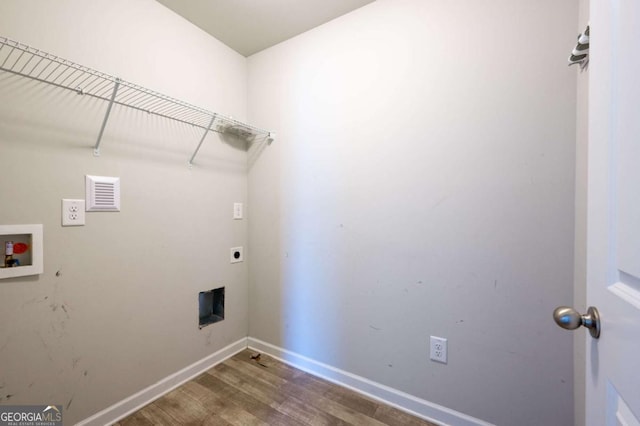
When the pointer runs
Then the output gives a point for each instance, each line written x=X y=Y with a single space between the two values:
x=242 y=391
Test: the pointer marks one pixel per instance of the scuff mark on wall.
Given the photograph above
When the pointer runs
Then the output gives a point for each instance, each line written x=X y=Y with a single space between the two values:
x=75 y=361
x=46 y=346
x=33 y=301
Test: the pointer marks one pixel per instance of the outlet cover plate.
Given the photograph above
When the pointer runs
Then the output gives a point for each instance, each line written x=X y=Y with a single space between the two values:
x=438 y=349
x=73 y=212
x=238 y=211
x=236 y=254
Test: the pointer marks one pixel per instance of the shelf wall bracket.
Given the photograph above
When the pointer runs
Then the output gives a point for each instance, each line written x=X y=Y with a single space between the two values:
x=208 y=129
x=96 y=149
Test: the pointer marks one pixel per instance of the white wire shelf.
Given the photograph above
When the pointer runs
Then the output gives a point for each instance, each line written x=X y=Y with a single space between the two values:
x=25 y=61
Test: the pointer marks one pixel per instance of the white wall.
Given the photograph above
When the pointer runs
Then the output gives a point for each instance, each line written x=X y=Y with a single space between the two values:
x=422 y=184
x=123 y=312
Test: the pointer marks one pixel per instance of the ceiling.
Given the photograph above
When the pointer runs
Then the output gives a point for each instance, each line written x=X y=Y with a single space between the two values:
x=249 y=26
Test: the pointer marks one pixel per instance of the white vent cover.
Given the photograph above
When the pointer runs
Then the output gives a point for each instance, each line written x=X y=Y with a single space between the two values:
x=103 y=194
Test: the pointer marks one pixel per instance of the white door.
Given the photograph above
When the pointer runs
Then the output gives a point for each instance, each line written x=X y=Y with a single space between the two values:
x=613 y=230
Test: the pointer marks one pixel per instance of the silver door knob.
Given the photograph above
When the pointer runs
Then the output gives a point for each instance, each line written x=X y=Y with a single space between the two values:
x=571 y=319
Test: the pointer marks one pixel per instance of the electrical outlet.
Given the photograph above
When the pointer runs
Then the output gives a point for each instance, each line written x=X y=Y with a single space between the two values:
x=237 y=255
x=438 y=349
x=72 y=212
x=237 y=211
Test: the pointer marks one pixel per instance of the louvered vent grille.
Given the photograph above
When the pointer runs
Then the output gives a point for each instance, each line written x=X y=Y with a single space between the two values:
x=103 y=193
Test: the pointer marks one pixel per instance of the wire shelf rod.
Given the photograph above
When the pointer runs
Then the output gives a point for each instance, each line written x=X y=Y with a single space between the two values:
x=133 y=96
x=127 y=93
x=169 y=109
x=59 y=64
x=142 y=99
x=190 y=115
x=83 y=82
x=71 y=72
x=150 y=103
x=18 y=59
x=37 y=64
x=46 y=67
x=96 y=149
x=193 y=156
x=105 y=89
x=73 y=82
x=96 y=85
x=7 y=58
x=84 y=77
x=159 y=115
x=27 y=63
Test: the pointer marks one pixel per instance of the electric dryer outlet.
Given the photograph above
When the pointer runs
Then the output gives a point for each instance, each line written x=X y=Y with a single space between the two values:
x=237 y=255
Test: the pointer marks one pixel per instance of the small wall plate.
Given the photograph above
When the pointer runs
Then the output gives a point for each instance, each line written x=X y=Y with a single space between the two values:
x=73 y=212
x=237 y=255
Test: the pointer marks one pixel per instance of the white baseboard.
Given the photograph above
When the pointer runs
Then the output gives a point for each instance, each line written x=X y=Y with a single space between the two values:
x=401 y=400
x=133 y=403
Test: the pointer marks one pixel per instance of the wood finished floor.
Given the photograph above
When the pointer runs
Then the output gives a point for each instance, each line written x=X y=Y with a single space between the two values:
x=241 y=392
